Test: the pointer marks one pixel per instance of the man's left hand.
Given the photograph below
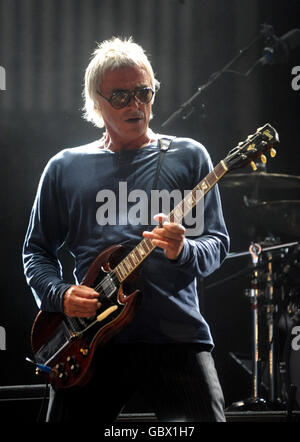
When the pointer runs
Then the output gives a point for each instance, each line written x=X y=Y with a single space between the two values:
x=169 y=236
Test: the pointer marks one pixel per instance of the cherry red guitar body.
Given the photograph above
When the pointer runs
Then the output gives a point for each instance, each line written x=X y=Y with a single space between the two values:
x=64 y=347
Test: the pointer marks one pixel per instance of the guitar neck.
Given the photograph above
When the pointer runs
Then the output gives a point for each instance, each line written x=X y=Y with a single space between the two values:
x=145 y=247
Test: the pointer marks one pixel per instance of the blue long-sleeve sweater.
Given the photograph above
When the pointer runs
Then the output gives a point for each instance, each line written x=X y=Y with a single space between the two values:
x=89 y=198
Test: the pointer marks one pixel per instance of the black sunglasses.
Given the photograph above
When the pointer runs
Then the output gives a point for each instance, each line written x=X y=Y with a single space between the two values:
x=121 y=98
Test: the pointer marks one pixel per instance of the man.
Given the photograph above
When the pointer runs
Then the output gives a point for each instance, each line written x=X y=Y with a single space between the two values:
x=165 y=351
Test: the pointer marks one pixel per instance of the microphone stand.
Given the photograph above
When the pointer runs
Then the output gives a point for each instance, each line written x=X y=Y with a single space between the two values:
x=186 y=109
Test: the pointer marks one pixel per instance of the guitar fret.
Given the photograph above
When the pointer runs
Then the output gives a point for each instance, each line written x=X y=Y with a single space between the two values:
x=214 y=172
x=124 y=265
x=134 y=257
x=130 y=259
x=123 y=268
x=144 y=244
x=137 y=254
x=218 y=171
x=132 y=254
x=128 y=264
x=182 y=208
x=141 y=250
x=178 y=213
x=221 y=169
x=149 y=244
x=211 y=179
x=188 y=200
x=118 y=273
x=193 y=195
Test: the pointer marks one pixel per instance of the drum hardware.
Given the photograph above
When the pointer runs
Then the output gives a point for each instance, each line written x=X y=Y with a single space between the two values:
x=261 y=180
x=264 y=249
x=246 y=271
x=255 y=250
x=280 y=217
x=265 y=214
x=254 y=402
x=270 y=311
x=274 y=291
x=265 y=285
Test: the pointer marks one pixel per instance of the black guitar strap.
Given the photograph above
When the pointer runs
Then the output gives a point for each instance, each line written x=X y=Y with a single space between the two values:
x=164 y=144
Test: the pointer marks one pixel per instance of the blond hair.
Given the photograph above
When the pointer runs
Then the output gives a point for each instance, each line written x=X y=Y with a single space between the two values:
x=109 y=55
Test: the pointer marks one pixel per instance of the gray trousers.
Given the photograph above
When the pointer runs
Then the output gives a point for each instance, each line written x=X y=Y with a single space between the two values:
x=179 y=382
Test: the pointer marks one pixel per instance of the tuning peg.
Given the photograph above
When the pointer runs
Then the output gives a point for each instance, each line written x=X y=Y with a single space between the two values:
x=263 y=158
x=253 y=165
x=272 y=152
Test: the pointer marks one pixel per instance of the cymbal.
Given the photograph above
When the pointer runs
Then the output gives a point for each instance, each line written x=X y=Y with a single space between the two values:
x=261 y=179
x=277 y=217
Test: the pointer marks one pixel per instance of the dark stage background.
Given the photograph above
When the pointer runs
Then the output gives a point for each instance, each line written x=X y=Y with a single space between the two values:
x=45 y=47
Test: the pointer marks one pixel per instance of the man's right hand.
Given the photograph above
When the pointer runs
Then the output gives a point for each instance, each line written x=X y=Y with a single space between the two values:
x=81 y=301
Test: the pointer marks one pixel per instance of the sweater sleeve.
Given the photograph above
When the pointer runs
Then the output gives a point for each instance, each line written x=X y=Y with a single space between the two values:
x=46 y=233
x=203 y=254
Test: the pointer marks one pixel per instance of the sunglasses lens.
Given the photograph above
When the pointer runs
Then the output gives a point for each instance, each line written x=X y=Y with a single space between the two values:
x=144 y=95
x=121 y=99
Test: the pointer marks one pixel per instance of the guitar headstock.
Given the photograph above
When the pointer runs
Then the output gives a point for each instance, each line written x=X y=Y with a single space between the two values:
x=254 y=147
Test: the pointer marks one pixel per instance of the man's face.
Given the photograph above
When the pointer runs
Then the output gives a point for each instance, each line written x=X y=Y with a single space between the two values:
x=131 y=122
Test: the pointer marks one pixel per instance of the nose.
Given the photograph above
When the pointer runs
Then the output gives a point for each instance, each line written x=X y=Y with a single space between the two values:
x=133 y=102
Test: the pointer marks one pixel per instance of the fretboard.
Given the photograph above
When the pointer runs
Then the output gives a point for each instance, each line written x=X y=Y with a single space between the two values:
x=145 y=247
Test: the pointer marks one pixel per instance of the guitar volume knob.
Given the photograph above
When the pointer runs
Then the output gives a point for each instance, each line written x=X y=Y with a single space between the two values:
x=60 y=367
x=75 y=368
x=63 y=376
x=71 y=360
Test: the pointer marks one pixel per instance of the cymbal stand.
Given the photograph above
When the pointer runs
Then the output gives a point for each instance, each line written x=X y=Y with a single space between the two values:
x=254 y=403
x=255 y=250
x=270 y=325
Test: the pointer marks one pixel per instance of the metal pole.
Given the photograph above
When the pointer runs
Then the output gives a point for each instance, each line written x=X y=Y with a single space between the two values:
x=255 y=250
x=270 y=323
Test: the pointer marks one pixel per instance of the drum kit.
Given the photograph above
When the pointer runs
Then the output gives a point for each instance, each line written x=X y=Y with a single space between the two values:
x=273 y=287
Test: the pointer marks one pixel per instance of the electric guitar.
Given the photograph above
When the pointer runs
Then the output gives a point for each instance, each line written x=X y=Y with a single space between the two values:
x=64 y=347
